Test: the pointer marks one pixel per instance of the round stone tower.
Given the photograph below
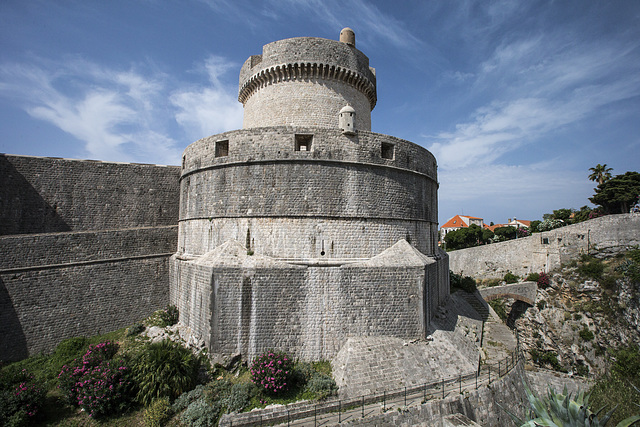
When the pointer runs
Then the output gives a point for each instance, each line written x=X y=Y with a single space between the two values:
x=309 y=197
x=306 y=81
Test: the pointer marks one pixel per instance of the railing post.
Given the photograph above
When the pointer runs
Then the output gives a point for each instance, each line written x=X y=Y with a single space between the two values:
x=460 y=380
x=476 y=380
x=489 y=369
x=288 y=418
x=405 y=396
x=443 y=388
x=339 y=411
x=362 y=406
x=315 y=415
x=498 y=369
x=424 y=397
x=384 y=401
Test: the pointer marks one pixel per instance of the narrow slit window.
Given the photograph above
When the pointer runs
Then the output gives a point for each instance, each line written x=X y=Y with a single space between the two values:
x=303 y=142
x=387 y=151
x=222 y=148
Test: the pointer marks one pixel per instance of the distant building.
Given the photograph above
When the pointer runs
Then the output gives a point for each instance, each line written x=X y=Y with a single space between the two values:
x=458 y=222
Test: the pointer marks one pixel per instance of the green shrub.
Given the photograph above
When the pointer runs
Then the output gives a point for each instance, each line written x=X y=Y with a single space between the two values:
x=158 y=413
x=135 y=329
x=533 y=277
x=169 y=315
x=21 y=397
x=321 y=385
x=499 y=307
x=240 y=396
x=627 y=362
x=510 y=278
x=619 y=388
x=541 y=304
x=272 y=371
x=586 y=334
x=458 y=281
x=468 y=284
x=546 y=358
x=202 y=414
x=185 y=399
x=591 y=268
x=164 y=369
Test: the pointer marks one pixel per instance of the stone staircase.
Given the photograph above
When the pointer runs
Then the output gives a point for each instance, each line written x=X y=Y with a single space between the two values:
x=475 y=300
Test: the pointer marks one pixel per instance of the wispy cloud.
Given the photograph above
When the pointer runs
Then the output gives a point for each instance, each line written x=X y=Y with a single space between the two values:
x=535 y=88
x=120 y=115
x=210 y=109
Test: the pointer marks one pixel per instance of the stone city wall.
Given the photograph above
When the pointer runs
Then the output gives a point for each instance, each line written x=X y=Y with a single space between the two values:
x=547 y=251
x=42 y=306
x=44 y=194
x=85 y=248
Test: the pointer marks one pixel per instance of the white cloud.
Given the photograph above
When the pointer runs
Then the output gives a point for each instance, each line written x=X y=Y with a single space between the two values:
x=120 y=115
x=532 y=94
x=211 y=109
x=111 y=111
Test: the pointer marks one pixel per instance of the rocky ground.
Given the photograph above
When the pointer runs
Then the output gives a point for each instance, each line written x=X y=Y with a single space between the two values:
x=577 y=319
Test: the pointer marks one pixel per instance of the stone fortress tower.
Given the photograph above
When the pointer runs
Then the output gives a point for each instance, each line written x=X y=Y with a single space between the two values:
x=305 y=228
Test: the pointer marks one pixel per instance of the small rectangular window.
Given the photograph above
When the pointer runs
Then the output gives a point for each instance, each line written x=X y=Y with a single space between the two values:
x=303 y=142
x=387 y=151
x=545 y=241
x=222 y=148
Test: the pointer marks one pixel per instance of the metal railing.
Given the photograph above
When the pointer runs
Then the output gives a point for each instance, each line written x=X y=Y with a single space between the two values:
x=339 y=410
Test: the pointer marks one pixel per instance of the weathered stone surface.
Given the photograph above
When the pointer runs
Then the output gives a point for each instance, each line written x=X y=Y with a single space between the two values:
x=295 y=235
x=547 y=251
x=84 y=250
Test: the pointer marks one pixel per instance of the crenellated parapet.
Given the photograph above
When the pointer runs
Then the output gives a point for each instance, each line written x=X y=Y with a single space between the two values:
x=301 y=71
x=306 y=81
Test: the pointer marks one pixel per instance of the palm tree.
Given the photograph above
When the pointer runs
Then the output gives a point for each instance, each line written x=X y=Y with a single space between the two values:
x=600 y=174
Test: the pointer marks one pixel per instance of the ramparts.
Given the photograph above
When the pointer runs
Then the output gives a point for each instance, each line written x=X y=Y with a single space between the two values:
x=305 y=81
x=340 y=197
x=547 y=251
x=85 y=248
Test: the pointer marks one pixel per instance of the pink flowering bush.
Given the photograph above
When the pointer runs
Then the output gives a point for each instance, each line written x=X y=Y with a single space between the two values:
x=97 y=384
x=273 y=371
x=104 y=389
x=543 y=280
x=71 y=375
x=21 y=397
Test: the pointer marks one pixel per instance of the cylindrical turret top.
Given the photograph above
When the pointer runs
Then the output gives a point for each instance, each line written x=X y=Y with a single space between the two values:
x=305 y=81
x=348 y=36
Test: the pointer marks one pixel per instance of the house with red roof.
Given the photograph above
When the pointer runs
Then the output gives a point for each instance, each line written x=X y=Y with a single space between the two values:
x=458 y=222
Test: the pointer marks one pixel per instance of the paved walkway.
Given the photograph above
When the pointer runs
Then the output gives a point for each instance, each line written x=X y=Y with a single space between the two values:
x=498 y=346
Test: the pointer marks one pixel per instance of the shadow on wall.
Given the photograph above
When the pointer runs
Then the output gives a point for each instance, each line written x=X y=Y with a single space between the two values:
x=13 y=344
x=22 y=208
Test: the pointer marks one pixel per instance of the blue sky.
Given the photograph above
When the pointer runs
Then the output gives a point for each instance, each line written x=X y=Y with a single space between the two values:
x=516 y=99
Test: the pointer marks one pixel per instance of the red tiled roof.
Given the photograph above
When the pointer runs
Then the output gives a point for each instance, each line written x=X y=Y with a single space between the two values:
x=458 y=222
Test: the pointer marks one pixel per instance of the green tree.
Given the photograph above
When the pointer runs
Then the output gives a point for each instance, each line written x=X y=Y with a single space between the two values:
x=600 y=173
x=466 y=237
x=505 y=233
x=533 y=227
x=618 y=194
x=563 y=214
x=582 y=214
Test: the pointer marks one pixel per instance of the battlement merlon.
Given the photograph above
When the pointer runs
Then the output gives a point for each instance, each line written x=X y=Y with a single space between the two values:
x=310 y=59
